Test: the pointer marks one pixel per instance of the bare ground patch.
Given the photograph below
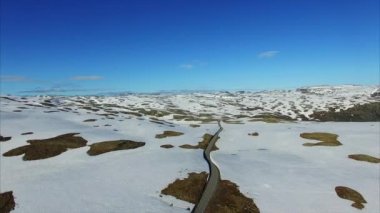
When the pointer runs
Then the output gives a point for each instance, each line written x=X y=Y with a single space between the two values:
x=90 y=120
x=189 y=189
x=363 y=157
x=233 y=122
x=27 y=133
x=3 y=139
x=271 y=118
x=358 y=113
x=7 y=202
x=167 y=146
x=253 y=134
x=350 y=194
x=168 y=134
x=202 y=144
x=327 y=139
x=47 y=148
x=227 y=198
x=110 y=146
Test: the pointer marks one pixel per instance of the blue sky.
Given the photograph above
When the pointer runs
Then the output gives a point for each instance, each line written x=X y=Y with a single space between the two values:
x=79 y=47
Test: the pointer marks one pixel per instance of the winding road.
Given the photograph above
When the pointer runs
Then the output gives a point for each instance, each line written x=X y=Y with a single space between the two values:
x=214 y=177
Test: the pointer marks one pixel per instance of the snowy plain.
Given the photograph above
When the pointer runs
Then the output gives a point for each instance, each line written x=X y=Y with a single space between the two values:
x=274 y=168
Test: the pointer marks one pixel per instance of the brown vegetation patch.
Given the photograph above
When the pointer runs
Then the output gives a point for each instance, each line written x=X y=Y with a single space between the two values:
x=90 y=108
x=203 y=118
x=3 y=139
x=271 y=118
x=253 y=134
x=90 y=120
x=152 y=112
x=358 y=113
x=233 y=122
x=228 y=199
x=46 y=148
x=169 y=134
x=131 y=113
x=7 y=202
x=328 y=139
x=363 y=157
x=350 y=194
x=161 y=122
x=10 y=99
x=202 y=144
x=189 y=189
x=48 y=104
x=27 y=133
x=167 y=146
x=109 y=146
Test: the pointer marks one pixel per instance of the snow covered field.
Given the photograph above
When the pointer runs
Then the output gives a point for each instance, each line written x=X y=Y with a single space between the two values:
x=274 y=168
x=282 y=175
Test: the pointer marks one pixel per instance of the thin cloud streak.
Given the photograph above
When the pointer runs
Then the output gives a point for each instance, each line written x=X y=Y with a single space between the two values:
x=268 y=54
x=186 y=66
x=87 y=78
x=13 y=78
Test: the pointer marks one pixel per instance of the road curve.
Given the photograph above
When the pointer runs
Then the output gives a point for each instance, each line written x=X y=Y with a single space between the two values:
x=214 y=177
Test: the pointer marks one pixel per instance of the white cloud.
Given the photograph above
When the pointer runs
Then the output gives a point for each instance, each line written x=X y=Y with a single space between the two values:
x=186 y=66
x=13 y=78
x=87 y=78
x=268 y=54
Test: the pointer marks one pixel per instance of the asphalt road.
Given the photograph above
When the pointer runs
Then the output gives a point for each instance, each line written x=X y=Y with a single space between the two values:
x=214 y=178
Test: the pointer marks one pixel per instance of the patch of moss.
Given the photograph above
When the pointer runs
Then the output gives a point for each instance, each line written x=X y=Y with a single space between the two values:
x=228 y=199
x=90 y=108
x=167 y=146
x=195 y=125
x=233 y=122
x=253 y=134
x=131 y=113
x=27 y=133
x=352 y=195
x=47 y=148
x=202 y=144
x=90 y=120
x=3 y=139
x=168 y=134
x=109 y=146
x=7 y=202
x=327 y=139
x=271 y=118
x=51 y=111
x=189 y=189
x=358 y=113
x=363 y=157
x=152 y=112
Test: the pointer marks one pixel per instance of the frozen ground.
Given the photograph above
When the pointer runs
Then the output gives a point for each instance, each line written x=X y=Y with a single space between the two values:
x=273 y=168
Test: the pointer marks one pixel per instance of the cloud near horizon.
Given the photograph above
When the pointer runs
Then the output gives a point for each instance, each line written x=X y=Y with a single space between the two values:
x=186 y=66
x=13 y=78
x=87 y=78
x=268 y=54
